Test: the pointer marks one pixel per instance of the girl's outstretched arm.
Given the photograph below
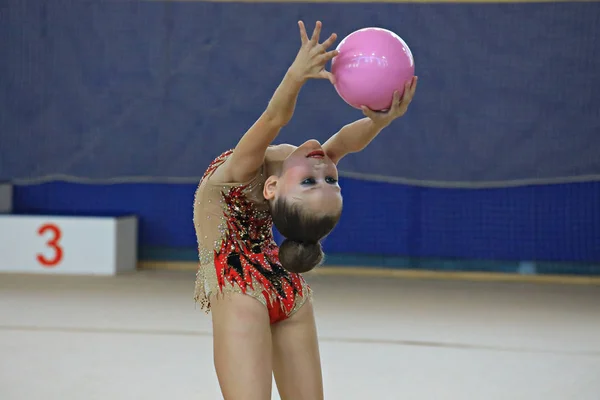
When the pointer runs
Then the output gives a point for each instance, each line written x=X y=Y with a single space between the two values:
x=248 y=156
x=354 y=137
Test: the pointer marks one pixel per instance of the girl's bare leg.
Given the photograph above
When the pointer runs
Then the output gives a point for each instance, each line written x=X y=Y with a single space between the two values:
x=242 y=347
x=296 y=359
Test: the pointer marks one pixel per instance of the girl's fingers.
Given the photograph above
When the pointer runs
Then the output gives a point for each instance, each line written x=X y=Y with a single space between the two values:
x=303 y=35
x=316 y=33
x=329 y=55
x=327 y=44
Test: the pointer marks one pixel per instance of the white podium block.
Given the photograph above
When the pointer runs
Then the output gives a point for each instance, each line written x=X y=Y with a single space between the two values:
x=68 y=245
x=6 y=192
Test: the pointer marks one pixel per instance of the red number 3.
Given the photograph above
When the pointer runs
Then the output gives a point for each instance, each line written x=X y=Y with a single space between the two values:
x=53 y=243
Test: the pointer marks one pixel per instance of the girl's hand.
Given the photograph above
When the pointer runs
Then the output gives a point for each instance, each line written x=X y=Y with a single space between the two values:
x=399 y=106
x=312 y=57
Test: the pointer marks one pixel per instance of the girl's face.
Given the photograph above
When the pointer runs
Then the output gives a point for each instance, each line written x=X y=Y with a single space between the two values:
x=310 y=177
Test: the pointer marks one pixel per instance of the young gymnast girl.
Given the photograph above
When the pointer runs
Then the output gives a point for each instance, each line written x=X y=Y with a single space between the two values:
x=241 y=195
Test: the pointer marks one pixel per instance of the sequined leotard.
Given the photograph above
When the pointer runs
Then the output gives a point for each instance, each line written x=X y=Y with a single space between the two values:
x=236 y=248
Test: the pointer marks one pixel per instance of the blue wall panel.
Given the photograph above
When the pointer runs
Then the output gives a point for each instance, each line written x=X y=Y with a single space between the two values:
x=155 y=89
x=552 y=223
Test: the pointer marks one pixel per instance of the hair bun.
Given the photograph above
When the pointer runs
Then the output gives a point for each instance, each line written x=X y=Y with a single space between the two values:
x=300 y=257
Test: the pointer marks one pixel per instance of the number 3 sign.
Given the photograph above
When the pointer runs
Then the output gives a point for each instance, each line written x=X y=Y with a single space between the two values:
x=70 y=245
x=53 y=243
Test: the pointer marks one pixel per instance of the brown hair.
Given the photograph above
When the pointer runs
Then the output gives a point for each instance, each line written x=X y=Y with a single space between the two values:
x=301 y=250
